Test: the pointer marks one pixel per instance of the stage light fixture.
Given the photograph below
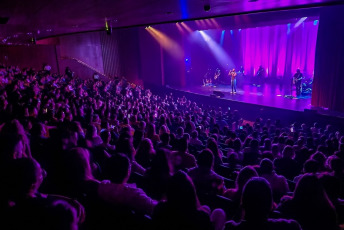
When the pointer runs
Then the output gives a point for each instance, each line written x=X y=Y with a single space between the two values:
x=33 y=40
x=206 y=7
x=108 y=27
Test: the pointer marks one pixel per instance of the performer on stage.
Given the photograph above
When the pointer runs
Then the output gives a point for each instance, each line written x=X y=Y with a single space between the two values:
x=233 y=75
x=217 y=76
x=242 y=71
x=297 y=80
x=260 y=75
x=207 y=78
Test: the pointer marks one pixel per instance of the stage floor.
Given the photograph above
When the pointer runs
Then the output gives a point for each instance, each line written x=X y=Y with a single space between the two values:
x=265 y=95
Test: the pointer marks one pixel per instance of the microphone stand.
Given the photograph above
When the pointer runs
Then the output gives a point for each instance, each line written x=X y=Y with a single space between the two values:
x=291 y=90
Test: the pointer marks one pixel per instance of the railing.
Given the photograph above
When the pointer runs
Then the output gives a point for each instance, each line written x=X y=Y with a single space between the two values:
x=86 y=65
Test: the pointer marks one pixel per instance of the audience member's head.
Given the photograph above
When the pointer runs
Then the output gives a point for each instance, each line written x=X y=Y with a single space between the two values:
x=117 y=169
x=257 y=199
x=165 y=138
x=266 y=166
x=244 y=175
x=309 y=192
x=182 y=145
x=77 y=165
x=181 y=193
x=24 y=177
x=205 y=159
x=161 y=164
x=61 y=216
x=288 y=152
x=311 y=166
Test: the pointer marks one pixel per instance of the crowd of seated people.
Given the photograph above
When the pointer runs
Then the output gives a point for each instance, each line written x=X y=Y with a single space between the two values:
x=92 y=154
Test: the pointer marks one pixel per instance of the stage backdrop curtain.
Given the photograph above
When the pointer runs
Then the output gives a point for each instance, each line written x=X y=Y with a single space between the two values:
x=328 y=85
x=280 y=49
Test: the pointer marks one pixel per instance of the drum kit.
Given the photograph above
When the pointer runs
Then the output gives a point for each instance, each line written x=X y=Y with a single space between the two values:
x=306 y=88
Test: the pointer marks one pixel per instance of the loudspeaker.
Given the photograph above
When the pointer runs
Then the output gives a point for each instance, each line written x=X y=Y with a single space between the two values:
x=218 y=93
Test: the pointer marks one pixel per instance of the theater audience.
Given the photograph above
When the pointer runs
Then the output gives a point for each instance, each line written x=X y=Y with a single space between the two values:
x=82 y=132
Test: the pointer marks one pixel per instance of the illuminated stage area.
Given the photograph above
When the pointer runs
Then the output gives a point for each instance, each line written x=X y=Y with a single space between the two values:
x=264 y=51
x=266 y=95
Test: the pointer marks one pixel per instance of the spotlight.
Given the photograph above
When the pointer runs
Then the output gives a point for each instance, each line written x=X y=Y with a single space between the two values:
x=108 y=27
x=206 y=7
x=33 y=41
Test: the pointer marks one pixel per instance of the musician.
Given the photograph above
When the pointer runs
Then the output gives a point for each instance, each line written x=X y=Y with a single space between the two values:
x=217 y=76
x=242 y=71
x=297 y=80
x=207 y=78
x=260 y=75
x=232 y=73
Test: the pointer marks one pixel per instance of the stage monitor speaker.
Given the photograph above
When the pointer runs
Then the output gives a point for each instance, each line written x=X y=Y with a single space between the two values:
x=218 y=93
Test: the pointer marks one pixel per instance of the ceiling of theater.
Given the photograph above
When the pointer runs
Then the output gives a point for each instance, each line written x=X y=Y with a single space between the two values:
x=41 y=18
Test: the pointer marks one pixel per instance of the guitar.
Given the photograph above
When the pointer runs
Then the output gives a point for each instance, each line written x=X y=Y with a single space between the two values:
x=297 y=78
x=217 y=74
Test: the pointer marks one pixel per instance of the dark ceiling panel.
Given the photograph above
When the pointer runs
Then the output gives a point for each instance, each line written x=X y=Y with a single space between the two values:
x=41 y=18
x=4 y=20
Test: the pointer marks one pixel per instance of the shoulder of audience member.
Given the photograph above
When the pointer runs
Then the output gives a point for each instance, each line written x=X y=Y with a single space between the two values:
x=284 y=224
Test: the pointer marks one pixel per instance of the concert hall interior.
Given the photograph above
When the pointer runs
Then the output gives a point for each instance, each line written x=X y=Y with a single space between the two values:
x=172 y=114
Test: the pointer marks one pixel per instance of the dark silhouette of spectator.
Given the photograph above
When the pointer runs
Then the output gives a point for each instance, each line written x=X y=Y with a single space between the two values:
x=251 y=154
x=234 y=194
x=23 y=206
x=181 y=210
x=287 y=166
x=279 y=184
x=181 y=159
x=204 y=178
x=158 y=175
x=118 y=191
x=257 y=204
x=310 y=205
x=212 y=145
x=145 y=153
x=165 y=141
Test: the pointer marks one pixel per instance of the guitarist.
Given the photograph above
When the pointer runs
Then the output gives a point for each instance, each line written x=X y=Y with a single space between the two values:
x=297 y=80
x=217 y=75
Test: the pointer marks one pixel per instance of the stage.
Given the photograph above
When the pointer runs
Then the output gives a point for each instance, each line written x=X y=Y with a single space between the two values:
x=269 y=95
